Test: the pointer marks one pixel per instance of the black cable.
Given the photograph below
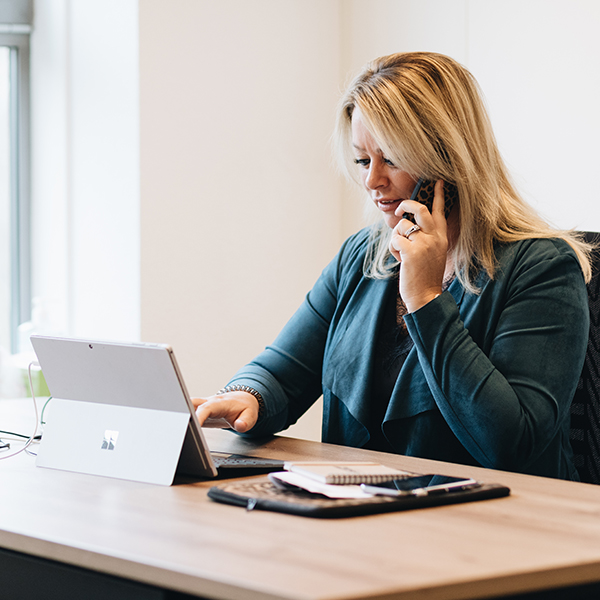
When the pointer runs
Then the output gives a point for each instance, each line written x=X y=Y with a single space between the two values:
x=20 y=435
x=4 y=444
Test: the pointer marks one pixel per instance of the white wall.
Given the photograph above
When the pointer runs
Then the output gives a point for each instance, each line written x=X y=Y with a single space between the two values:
x=85 y=171
x=104 y=113
x=538 y=62
x=240 y=207
x=49 y=163
x=240 y=204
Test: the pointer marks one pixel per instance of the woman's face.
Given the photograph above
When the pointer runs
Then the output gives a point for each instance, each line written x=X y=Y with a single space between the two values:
x=387 y=184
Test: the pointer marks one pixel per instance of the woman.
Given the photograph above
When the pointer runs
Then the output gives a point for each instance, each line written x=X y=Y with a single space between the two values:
x=459 y=338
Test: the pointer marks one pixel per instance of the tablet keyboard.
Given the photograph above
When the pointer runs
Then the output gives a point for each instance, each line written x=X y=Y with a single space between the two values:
x=223 y=460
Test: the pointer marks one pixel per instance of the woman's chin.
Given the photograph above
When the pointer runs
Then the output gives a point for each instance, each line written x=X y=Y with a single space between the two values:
x=391 y=220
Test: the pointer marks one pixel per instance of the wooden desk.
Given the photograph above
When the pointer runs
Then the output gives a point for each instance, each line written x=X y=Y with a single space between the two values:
x=546 y=534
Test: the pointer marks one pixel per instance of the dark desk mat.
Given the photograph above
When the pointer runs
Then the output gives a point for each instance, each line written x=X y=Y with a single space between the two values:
x=261 y=494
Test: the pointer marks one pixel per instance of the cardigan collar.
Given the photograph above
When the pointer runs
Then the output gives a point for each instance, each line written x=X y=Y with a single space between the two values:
x=348 y=374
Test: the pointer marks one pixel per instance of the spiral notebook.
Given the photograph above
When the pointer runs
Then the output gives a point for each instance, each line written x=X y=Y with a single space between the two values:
x=346 y=472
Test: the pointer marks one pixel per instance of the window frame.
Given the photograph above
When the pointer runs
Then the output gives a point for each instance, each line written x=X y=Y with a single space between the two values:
x=17 y=39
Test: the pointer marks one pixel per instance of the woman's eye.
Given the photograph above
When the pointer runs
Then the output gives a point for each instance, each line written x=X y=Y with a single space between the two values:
x=388 y=162
x=363 y=162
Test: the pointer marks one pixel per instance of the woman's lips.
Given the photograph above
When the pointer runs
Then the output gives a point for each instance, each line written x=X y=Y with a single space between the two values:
x=388 y=205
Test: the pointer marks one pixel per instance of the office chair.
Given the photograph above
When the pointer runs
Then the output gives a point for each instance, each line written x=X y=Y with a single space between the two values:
x=585 y=409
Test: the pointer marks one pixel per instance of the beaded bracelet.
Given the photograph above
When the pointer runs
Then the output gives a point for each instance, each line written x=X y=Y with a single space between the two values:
x=249 y=390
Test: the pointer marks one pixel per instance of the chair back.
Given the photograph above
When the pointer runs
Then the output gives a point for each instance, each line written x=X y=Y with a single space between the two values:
x=585 y=409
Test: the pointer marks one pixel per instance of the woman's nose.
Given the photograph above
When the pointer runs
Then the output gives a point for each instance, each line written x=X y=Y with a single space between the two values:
x=375 y=177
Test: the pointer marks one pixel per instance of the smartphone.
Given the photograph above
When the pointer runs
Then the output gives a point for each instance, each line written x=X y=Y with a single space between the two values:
x=424 y=192
x=421 y=485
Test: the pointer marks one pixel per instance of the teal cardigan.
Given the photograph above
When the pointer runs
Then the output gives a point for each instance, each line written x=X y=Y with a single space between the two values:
x=488 y=382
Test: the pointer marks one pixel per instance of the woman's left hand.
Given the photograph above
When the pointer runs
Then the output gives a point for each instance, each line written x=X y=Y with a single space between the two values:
x=423 y=253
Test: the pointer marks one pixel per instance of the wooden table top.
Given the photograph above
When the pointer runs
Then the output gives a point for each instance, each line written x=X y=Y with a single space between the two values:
x=546 y=534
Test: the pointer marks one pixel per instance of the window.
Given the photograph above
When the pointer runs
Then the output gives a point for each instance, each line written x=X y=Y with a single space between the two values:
x=15 y=294
x=5 y=203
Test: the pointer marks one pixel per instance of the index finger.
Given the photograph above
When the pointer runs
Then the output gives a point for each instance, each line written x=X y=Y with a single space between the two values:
x=204 y=415
x=438 y=198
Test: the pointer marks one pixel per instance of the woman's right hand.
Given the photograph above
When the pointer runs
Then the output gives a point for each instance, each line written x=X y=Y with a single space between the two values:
x=424 y=254
x=237 y=410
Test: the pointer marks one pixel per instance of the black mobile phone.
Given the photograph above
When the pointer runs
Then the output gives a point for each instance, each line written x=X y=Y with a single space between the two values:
x=424 y=192
x=421 y=485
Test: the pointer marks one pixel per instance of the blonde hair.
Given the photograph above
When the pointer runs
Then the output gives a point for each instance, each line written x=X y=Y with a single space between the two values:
x=426 y=112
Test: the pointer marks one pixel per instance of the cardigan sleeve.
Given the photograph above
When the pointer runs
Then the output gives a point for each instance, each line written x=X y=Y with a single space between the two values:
x=288 y=373
x=506 y=394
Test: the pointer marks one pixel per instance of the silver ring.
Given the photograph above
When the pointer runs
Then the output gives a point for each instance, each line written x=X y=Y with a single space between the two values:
x=411 y=230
